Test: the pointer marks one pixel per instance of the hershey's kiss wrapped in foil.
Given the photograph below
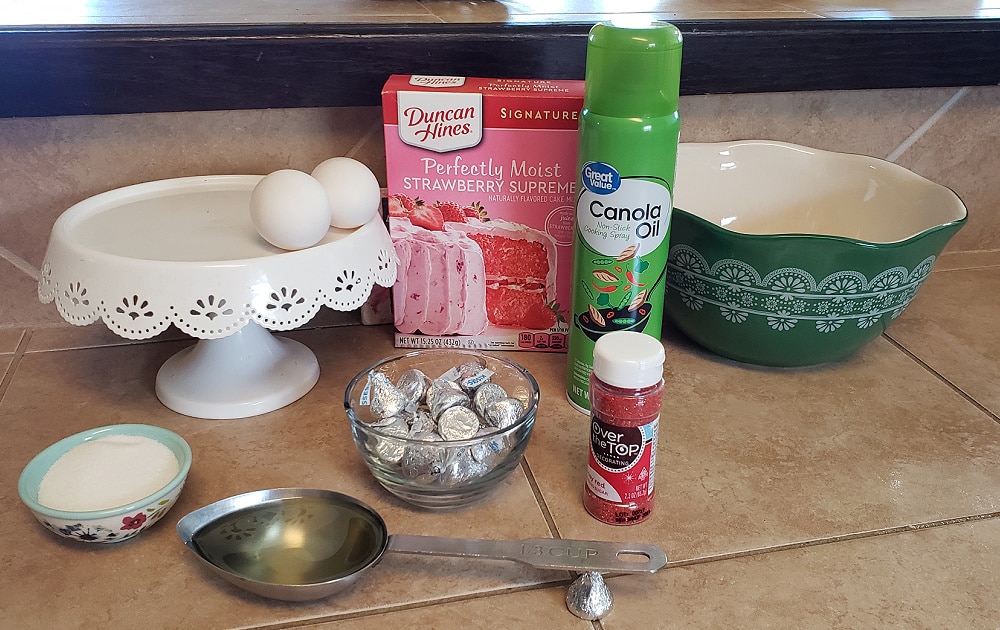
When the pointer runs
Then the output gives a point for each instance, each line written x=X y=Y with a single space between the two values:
x=403 y=418
x=458 y=423
x=469 y=369
x=461 y=466
x=502 y=413
x=487 y=393
x=589 y=597
x=386 y=400
x=388 y=450
x=444 y=394
x=488 y=452
x=424 y=462
x=422 y=422
x=472 y=375
x=413 y=384
x=521 y=393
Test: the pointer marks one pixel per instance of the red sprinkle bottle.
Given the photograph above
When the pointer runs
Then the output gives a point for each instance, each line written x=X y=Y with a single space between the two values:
x=626 y=391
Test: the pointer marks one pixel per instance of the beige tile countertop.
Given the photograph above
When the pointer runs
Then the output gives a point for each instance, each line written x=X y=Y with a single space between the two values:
x=864 y=494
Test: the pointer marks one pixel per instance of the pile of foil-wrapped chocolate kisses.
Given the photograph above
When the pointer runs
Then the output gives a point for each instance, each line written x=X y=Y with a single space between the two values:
x=433 y=414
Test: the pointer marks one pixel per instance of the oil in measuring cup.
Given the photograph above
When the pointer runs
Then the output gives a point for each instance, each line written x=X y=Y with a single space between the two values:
x=302 y=540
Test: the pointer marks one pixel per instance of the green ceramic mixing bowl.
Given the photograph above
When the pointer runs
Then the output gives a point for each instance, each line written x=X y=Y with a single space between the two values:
x=782 y=255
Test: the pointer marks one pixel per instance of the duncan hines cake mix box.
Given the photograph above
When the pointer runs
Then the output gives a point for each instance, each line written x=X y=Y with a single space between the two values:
x=481 y=177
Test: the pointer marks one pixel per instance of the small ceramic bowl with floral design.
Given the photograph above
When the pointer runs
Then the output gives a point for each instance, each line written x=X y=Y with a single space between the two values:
x=107 y=465
x=783 y=255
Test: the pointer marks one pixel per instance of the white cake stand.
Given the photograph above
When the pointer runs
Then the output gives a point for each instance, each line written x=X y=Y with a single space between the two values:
x=184 y=252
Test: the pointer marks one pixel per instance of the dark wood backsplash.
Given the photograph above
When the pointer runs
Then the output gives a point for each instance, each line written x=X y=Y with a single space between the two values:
x=104 y=70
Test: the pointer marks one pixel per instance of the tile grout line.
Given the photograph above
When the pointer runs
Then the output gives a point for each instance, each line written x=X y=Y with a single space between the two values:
x=539 y=499
x=924 y=128
x=396 y=608
x=368 y=135
x=958 y=390
x=816 y=542
x=971 y=266
x=19 y=352
x=20 y=263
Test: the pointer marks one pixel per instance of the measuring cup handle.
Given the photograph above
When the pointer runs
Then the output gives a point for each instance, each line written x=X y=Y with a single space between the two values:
x=542 y=553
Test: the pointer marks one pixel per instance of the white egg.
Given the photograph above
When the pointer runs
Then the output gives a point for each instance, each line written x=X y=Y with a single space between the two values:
x=355 y=197
x=290 y=209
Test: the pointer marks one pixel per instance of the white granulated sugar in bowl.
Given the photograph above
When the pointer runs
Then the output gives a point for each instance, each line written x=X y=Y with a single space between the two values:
x=107 y=472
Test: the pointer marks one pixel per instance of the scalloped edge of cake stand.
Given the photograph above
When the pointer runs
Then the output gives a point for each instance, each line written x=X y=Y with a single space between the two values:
x=248 y=373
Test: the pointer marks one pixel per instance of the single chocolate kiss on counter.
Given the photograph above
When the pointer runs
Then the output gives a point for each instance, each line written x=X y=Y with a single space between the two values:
x=589 y=597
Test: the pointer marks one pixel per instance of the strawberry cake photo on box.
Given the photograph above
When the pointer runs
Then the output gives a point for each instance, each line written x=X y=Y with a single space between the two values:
x=462 y=271
x=480 y=183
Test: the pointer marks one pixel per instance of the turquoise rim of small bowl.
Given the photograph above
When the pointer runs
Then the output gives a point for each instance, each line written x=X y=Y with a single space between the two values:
x=825 y=237
x=31 y=476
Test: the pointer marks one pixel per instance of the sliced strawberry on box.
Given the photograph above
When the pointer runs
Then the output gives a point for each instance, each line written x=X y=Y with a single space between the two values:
x=474 y=210
x=451 y=211
x=402 y=206
x=539 y=317
x=428 y=217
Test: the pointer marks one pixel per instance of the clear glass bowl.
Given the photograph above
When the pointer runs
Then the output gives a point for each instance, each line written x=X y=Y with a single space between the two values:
x=440 y=474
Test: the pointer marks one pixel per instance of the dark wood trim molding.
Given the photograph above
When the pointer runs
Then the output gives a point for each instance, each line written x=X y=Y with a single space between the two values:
x=104 y=70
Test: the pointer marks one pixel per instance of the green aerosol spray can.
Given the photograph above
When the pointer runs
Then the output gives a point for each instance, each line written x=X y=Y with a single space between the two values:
x=629 y=129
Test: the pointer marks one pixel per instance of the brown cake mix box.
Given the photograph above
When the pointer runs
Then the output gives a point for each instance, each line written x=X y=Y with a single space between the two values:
x=481 y=177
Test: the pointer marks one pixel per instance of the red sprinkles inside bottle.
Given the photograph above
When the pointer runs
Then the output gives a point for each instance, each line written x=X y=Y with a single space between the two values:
x=624 y=427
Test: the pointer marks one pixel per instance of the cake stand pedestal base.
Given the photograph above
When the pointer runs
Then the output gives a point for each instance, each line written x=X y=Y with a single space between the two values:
x=245 y=374
x=184 y=252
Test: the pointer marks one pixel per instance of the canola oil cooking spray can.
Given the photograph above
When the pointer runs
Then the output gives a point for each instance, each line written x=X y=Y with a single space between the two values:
x=627 y=156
